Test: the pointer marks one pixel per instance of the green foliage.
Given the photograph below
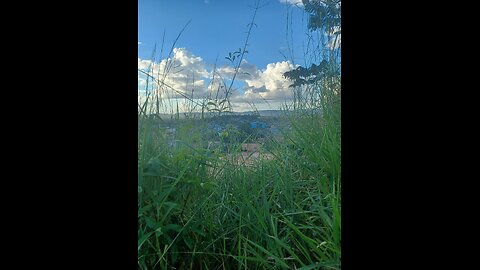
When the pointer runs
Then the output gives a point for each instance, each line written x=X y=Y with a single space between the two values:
x=324 y=15
x=317 y=85
x=230 y=134
x=235 y=55
x=197 y=210
x=311 y=75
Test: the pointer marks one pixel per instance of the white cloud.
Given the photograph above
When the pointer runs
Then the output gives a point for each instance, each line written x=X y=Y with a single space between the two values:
x=217 y=83
x=185 y=71
x=246 y=71
x=182 y=72
x=292 y=2
x=335 y=43
x=270 y=83
x=335 y=38
x=267 y=84
x=139 y=43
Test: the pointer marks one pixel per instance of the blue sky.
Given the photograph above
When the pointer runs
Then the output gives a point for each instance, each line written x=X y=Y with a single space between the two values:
x=216 y=28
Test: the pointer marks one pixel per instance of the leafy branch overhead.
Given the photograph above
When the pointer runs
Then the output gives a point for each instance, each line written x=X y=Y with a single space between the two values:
x=324 y=14
x=314 y=73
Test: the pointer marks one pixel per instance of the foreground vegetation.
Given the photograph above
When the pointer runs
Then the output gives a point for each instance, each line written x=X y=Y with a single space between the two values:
x=198 y=208
x=198 y=211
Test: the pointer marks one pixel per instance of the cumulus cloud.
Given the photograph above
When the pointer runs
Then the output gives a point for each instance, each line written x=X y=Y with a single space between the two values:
x=252 y=89
x=265 y=84
x=270 y=83
x=182 y=72
x=245 y=71
x=292 y=2
x=217 y=83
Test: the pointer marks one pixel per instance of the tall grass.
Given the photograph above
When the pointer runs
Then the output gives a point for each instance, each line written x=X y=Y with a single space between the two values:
x=199 y=209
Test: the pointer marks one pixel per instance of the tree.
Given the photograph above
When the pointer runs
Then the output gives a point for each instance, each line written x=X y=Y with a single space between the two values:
x=325 y=17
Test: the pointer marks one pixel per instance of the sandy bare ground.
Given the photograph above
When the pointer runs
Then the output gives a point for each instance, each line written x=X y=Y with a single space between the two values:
x=249 y=155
